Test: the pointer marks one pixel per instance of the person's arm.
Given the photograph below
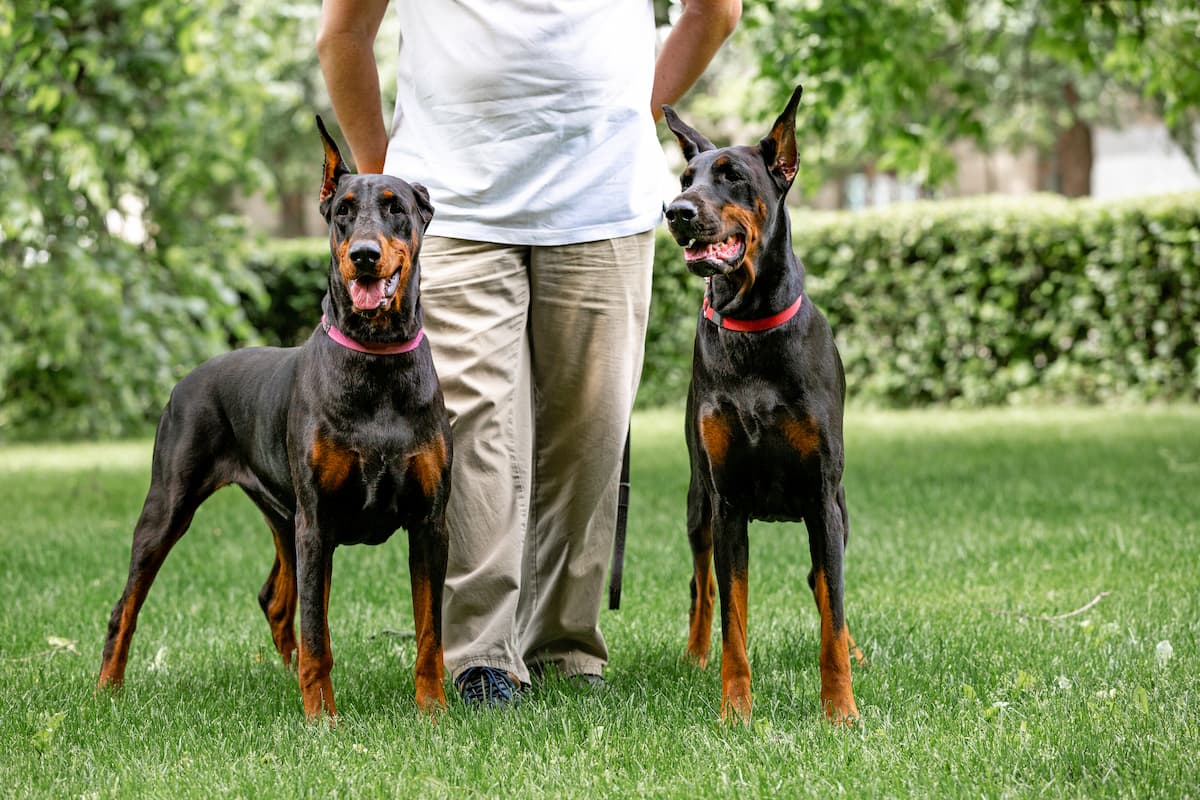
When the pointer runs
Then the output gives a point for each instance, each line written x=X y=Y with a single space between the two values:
x=697 y=35
x=345 y=46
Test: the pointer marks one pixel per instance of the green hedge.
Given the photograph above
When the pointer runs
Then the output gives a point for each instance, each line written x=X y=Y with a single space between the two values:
x=295 y=274
x=969 y=302
x=91 y=341
x=1014 y=300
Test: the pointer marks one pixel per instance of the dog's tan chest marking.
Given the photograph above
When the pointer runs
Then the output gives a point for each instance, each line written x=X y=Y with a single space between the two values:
x=802 y=435
x=715 y=435
x=427 y=465
x=331 y=463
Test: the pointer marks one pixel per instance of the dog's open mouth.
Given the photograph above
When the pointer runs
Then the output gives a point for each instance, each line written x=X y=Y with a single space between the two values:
x=729 y=250
x=369 y=293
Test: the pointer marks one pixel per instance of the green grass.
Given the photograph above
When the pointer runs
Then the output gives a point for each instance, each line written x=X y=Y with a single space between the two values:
x=955 y=516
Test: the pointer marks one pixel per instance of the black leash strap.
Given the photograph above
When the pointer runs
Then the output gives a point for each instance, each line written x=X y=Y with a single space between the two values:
x=618 y=556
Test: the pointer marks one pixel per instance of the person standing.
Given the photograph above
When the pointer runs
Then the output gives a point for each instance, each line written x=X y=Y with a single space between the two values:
x=531 y=122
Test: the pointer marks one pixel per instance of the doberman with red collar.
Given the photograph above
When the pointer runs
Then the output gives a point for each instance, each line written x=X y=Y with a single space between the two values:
x=340 y=441
x=764 y=410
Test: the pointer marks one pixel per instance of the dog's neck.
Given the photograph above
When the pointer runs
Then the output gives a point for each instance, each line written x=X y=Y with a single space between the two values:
x=778 y=279
x=372 y=348
x=400 y=323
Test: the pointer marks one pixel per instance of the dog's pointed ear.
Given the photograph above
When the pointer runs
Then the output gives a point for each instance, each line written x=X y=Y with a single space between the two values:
x=779 y=146
x=691 y=141
x=424 y=205
x=335 y=167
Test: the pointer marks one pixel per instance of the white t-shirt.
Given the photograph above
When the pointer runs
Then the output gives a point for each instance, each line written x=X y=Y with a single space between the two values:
x=529 y=120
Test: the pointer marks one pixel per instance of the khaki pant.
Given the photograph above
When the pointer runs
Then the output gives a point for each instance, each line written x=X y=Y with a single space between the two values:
x=539 y=352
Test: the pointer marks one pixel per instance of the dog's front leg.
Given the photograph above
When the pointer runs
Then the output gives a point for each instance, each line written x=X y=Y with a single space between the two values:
x=732 y=554
x=314 y=569
x=427 y=553
x=827 y=544
x=703 y=584
x=278 y=597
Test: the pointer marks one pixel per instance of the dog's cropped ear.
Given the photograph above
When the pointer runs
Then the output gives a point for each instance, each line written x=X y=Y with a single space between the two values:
x=335 y=167
x=779 y=146
x=424 y=206
x=691 y=141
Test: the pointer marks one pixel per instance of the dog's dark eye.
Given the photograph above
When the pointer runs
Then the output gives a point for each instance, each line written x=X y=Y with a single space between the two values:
x=343 y=209
x=685 y=180
x=728 y=173
x=395 y=206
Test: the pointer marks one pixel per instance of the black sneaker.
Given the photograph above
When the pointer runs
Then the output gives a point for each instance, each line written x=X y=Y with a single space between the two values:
x=486 y=687
x=587 y=680
x=578 y=680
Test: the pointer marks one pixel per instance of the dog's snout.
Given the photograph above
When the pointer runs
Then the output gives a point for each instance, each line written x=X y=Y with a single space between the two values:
x=681 y=210
x=365 y=255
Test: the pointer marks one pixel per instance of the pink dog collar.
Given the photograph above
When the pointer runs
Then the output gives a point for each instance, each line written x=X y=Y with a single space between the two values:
x=374 y=348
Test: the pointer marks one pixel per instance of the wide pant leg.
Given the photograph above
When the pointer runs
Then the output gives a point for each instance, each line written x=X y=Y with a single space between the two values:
x=539 y=351
x=475 y=297
x=588 y=315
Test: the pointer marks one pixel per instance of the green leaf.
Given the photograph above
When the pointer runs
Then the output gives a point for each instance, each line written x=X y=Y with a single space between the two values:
x=1141 y=699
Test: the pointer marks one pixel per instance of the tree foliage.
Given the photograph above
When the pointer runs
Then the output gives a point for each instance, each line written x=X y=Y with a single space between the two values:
x=128 y=127
x=898 y=82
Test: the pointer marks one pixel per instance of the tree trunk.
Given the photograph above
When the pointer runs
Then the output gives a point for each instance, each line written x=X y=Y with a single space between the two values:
x=1073 y=152
x=292 y=220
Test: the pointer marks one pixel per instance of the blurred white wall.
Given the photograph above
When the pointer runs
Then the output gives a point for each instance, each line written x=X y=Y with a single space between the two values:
x=1140 y=159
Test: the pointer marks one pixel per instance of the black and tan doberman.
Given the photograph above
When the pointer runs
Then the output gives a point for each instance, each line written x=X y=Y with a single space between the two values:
x=764 y=410
x=342 y=440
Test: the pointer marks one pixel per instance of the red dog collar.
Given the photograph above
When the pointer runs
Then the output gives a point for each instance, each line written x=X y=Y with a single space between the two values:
x=750 y=325
x=374 y=348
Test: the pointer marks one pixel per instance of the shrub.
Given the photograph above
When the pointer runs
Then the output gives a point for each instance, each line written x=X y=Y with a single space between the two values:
x=295 y=273
x=123 y=141
x=674 y=306
x=990 y=301
x=969 y=302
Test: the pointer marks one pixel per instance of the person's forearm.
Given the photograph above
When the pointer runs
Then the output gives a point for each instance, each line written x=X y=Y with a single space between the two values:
x=345 y=47
x=697 y=35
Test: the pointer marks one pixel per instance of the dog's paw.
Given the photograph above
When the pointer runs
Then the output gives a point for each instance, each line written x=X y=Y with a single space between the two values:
x=735 y=709
x=432 y=704
x=108 y=685
x=840 y=710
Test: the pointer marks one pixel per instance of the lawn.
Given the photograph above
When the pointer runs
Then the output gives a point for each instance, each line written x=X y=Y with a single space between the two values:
x=970 y=531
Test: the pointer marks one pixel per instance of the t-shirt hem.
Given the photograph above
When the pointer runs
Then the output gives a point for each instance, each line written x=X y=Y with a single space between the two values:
x=540 y=236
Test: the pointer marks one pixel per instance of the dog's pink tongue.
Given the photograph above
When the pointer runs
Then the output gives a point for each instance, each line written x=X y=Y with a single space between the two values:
x=366 y=294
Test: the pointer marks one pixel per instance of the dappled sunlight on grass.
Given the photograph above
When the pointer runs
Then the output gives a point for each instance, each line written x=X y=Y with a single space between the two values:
x=76 y=456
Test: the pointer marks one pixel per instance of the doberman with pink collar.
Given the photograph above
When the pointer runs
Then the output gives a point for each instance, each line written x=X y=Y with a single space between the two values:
x=340 y=441
x=764 y=410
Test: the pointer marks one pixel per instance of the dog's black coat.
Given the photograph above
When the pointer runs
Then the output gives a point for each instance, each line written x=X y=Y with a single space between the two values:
x=764 y=409
x=334 y=446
